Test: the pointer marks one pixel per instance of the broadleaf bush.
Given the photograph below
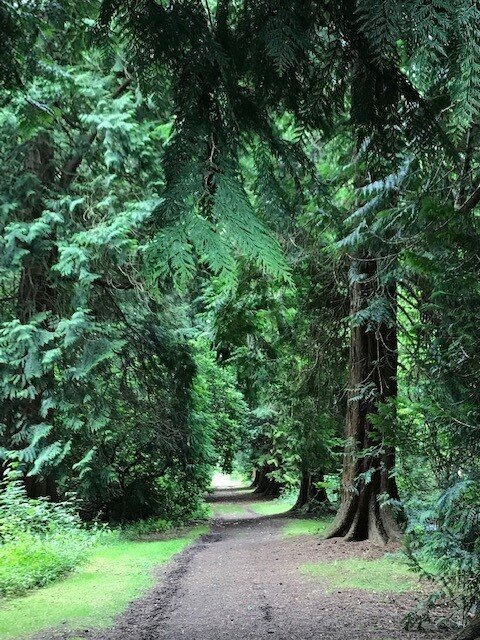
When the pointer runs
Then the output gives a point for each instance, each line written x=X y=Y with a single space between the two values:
x=39 y=540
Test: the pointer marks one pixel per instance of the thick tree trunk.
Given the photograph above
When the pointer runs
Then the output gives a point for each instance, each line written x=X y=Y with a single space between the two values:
x=260 y=480
x=310 y=497
x=268 y=487
x=470 y=632
x=368 y=459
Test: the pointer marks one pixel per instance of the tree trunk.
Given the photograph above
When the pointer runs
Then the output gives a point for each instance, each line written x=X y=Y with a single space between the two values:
x=471 y=631
x=268 y=487
x=310 y=497
x=256 y=479
x=368 y=458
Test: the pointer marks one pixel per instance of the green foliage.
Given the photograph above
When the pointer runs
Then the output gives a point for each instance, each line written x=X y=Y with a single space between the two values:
x=443 y=545
x=220 y=409
x=32 y=561
x=40 y=541
x=95 y=383
x=142 y=528
x=186 y=206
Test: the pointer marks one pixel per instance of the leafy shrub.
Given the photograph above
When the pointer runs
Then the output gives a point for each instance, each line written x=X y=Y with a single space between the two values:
x=178 y=502
x=146 y=527
x=149 y=526
x=39 y=540
x=181 y=499
x=443 y=544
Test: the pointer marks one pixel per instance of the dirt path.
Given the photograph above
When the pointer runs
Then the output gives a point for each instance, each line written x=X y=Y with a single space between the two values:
x=242 y=582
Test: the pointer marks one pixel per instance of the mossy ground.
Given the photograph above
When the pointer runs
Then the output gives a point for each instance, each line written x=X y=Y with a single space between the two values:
x=306 y=527
x=272 y=507
x=95 y=593
x=384 y=575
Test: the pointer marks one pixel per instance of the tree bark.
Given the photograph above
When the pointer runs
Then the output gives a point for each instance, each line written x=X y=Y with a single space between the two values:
x=256 y=479
x=267 y=486
x=368 y=458
x=471 y=631
x=310 y=497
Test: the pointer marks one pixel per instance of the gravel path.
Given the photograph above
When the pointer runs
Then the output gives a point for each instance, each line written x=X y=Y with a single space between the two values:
x=241 y=582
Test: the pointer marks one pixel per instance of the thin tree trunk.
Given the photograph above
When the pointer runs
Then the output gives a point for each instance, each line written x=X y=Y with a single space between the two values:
x=368 y=460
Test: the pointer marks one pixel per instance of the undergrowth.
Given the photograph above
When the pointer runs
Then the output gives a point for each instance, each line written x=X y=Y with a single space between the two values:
x=39 y=540
x=154 y=525
x=42 y=541
x=443 y=545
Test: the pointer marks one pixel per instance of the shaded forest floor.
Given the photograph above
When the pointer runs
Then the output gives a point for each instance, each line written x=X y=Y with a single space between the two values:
x=252 y=577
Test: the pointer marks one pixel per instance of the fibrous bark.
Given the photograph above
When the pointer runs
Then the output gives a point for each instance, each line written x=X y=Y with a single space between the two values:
x=268 y=486
x=368 y=460
x=311 y=497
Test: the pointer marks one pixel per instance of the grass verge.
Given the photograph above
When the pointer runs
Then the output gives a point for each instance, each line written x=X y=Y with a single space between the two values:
x=306 y=527
x=95 y=593
x=385 y=575
x=228 y=509
x=271 y=507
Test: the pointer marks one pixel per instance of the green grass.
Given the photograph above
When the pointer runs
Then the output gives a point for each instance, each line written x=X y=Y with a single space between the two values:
x=95 y=593
x=306 y=527
x=228 y=509
x=271 y=507
x=385 y=575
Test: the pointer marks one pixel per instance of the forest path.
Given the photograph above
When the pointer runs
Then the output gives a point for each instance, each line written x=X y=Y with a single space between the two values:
x=242 y=581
